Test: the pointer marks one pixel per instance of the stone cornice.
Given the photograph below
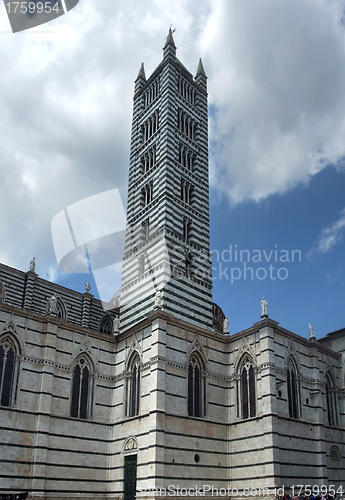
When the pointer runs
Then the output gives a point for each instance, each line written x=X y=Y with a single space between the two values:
x=267 y=322
x=62 y=323
x=161 y=314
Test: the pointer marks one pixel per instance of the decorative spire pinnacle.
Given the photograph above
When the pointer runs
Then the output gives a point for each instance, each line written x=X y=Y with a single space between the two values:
x=140 y=82
x=141 y=74
x=169 y=47
x=200 y=70
x=200 y=77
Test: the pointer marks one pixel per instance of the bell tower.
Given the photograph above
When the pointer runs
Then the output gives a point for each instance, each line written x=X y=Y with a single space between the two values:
x=167 y=235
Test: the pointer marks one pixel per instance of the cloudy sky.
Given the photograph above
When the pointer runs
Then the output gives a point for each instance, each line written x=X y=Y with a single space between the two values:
x=276 y=75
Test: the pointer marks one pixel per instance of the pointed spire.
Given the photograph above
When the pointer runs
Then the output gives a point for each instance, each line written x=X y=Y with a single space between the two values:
x=140 y=82
x=141 y=73
x=200 y=70
x=170 y=39
x=200 y=77
x=169 y=47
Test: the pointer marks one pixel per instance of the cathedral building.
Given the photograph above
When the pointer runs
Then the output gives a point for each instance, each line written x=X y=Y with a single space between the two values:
x=154 y=397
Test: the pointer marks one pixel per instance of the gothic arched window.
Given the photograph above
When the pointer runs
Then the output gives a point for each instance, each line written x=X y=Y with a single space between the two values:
x=196 y=392
x=81 y=401
x=247 y=391
x=133 y=386
x=332 y=415
x=8 y=372
x=106 y=325
x=293 y=389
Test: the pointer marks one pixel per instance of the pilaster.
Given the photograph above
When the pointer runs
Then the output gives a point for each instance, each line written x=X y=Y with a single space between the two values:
x=29 y=289
x=87 y=298
x=42 y=427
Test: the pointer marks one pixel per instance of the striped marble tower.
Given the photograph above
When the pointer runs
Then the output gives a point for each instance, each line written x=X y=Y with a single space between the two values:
x=167 y=237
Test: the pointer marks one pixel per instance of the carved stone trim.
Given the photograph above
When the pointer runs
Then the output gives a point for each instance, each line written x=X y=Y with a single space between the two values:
x=130 y=445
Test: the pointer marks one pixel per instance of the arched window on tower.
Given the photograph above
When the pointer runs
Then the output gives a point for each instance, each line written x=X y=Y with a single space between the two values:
x=187 y=223
x=147 y=194
x=82 y=389
x=106 y=325
x=247 y=392
x=331 y=402
x=145 y=230
x=196 y=388
x=293 y=389
x=9 y=365
x=133 y=386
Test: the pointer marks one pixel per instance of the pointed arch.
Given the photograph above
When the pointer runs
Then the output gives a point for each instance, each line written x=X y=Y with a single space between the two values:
x=293 y=388
x=135 y=347
x=244 y=350
x=331 y=401
x=61 y=311
x=133 y=385
x=10 y=330
x=197 y=349
x=82 y=387
x=196 y=385
x=246 y=389
x=9 y=369
x=106 y=325
x=334 y=453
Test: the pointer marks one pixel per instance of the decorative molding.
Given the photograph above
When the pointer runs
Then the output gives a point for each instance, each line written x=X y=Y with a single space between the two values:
x=314 y=392
x=130 y=445
x=328 y=368
x=242 y=351
x=9 y=327
x=292 y=353
x=197 y=347
x=14 y=332
x=335 y=454
x=85 y=346
x=135 y=346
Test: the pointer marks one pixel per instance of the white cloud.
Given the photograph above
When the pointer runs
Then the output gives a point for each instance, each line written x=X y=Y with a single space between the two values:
x=276 y=78
x=66 y=103
x=329 y=236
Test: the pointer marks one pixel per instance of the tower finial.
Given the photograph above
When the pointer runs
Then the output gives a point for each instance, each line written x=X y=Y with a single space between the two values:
x=169 y=47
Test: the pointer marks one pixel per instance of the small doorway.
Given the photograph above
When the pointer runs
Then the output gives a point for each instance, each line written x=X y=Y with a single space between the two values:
x=130 y=477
